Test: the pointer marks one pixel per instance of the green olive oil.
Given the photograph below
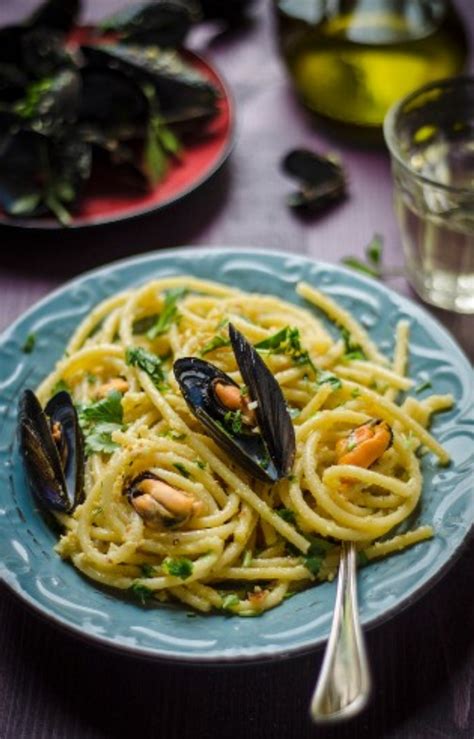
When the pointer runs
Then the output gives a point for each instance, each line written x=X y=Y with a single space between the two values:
x=351 y=64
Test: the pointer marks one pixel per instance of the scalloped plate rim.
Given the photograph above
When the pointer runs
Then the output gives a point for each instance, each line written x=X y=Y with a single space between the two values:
x=248 y=654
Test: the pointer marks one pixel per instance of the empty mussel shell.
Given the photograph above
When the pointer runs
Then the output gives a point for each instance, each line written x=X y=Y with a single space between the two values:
x=322 y=179
x=52 y=447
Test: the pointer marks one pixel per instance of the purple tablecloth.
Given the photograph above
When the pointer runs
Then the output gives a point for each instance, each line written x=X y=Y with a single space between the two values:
x=53 y=686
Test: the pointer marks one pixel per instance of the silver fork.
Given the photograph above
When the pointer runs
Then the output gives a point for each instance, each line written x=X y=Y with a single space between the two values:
x=344 y=683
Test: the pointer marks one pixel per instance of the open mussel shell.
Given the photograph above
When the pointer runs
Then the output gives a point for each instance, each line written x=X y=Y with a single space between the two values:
x=55 y=470
x=267 y=455
x=162 y=23
x=272 y=414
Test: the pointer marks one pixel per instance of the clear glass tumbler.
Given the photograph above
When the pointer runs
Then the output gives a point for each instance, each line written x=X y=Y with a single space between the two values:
x=430 y=135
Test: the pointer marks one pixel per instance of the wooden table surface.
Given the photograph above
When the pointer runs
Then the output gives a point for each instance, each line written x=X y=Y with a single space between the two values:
x=52 y=685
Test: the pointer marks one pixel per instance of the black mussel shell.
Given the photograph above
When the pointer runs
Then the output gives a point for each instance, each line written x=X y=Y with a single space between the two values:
x=176 y=84
x=271 y=412
x=111 y=100
x=162 y=23
x=43 y=53
x=55 y=14
x=57 y=487
x=322 y=179
x=196 y=379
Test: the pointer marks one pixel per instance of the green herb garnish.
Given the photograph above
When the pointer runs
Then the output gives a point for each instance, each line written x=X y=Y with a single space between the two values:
x=313 y=563
x=169 y=314
x=107 y=410
x=230 y=601
x=424 y=386
x=373 y=255
x=353 y=350
x=178 y=567
x=182 y=469
x=233 y=420
x=362 y=558
x=141 y=592
x=142 y=325
x=286 y=341
x=202 y=465
x=147 y=570
x=137 y=356
x=328 y=377
x=247 y=560
x=29 y=344
x=287 y=515
x=98 y=438
x=215 y=343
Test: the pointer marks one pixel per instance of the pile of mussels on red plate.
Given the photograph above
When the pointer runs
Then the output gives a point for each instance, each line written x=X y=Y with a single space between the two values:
x=127 y=96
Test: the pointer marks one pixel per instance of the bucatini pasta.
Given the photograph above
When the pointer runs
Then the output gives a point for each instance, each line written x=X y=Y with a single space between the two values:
x=229 y=541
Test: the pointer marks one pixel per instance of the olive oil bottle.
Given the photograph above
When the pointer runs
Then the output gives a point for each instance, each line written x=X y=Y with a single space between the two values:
x=351 y=59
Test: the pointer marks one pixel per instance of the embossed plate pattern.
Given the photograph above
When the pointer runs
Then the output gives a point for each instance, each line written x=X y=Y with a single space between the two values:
x=29 y=566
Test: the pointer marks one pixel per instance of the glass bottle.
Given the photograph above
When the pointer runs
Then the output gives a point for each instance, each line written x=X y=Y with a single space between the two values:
x=351 y=59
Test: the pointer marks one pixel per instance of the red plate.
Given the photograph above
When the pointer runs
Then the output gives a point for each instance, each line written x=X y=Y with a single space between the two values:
x=104 y=202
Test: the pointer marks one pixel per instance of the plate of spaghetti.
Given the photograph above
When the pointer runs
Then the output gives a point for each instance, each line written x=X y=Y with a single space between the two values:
x=199 y=429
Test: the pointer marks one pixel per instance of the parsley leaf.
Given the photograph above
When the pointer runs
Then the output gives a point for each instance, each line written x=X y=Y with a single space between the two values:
x=108 y=410
x=233 y=420
x=182 y=469
x=29 y=344
x=147 y=570
x=374 y=249
x=215 y=343
x=353 y=350
x=287 y=515
x=230 y=601
x=313 y=563
x=424 y=386
x=142 y=325
x=98 y=438
x=202 y=465
x=362 y=558
x=328 y=377
x=178 y=567
x=286 y=341
x=373 y=254
x=318 y=545
x=137 y=356
x=169 y=314
x=141 y=591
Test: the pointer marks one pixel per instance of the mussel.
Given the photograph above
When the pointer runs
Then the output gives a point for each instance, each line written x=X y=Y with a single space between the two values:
x=159 y=504
x=263 y=443
x=52 y=447
x=322 y=179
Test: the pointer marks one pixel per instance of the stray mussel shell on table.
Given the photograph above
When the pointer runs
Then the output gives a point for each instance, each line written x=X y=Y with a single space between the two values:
x=322 y=179
x=52 y=447
x=266 y=450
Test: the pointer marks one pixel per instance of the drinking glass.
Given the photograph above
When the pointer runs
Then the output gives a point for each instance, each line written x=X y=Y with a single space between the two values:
x=430 y=136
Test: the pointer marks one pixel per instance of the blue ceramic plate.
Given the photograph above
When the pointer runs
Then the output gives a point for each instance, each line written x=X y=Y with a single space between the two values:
x=31 y=569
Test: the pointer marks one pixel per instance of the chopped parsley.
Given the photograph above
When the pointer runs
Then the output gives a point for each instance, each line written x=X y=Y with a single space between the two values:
x=29 y=344
x=264 y=461
x=424 y=386
x=233 y=421
x=362 y=558
x=353 y=350
x=147 y=570
x=318 y=545
x=169 y=314
x=142 y=325
x=98 y=438
x=327 y=377
x=286 y=341
x=141 y=592
x=287 y=515
x=106 y=410
x=230 y=601
x=215 y=343
x=313 y=563
x=178 y=567
x=137 y=356
x=355 y=393
x=372 y=266
x=202 y=465
x=182 y=469
x=98 y=422
x=174 y=435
